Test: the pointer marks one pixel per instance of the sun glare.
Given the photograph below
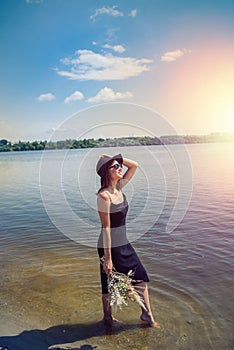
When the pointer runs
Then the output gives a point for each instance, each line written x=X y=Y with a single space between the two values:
x=230 y=121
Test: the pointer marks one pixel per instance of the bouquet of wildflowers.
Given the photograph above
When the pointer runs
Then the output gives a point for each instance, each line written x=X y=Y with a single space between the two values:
x=120 y=290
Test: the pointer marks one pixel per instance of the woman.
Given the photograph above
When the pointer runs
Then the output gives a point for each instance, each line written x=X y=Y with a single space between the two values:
x=113 y=245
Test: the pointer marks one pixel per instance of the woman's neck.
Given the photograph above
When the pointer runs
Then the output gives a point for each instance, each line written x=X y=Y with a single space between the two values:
x=113 y=186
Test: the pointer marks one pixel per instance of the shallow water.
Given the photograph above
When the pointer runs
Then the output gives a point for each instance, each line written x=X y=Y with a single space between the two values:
x=50 y=283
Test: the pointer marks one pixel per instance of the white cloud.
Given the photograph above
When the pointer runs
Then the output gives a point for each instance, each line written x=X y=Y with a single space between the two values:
x=34 y=1
x=107 y=94
x=116 y=48
x=46 y=97
x=171 y=56
x=88 y=65
x=110 y=11
x=112 y=34
x=133 y=13
x=76 y=96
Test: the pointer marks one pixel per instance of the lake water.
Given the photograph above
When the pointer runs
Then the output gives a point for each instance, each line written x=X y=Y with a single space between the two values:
x=50 y=289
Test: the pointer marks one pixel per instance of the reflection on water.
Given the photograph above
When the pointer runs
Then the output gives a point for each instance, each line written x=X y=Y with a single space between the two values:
x=49 y=281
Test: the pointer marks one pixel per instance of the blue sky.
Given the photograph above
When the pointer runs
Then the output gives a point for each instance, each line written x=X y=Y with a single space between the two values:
x=59 y=57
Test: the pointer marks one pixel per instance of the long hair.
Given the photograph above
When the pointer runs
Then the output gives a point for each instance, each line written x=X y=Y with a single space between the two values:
x=105 y=180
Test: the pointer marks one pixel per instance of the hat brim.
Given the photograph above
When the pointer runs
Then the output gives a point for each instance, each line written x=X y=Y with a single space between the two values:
x=104 y=162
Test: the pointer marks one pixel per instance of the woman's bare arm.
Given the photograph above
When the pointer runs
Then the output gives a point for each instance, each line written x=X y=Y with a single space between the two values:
x=132 y=167
x=103 y=203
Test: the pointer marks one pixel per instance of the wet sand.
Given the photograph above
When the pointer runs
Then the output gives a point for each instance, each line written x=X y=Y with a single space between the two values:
x=52 y=299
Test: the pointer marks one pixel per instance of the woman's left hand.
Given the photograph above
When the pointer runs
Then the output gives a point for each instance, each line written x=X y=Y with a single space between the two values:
x=108 y=266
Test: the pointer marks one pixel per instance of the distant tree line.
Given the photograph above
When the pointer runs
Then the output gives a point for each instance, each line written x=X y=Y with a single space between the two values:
x=8 y=146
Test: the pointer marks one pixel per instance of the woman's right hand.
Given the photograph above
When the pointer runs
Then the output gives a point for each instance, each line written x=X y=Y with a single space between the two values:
x=108 y=266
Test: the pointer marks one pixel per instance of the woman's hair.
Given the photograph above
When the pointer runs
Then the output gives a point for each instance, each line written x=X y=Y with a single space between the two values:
x=105 y=178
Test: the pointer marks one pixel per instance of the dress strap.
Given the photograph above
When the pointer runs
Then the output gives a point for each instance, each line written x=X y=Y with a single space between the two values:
x=108 y=194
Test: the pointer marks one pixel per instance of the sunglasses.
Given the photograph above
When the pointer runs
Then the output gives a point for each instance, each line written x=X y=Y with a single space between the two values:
x=116 y=166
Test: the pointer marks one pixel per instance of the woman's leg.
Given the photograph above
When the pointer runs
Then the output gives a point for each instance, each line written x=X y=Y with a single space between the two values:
x=106 y=307
x=146 y=315
x=107 y=312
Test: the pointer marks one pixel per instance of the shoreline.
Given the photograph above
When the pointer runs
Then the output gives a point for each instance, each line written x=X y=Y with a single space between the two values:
x=54 y=305
x=8 y=146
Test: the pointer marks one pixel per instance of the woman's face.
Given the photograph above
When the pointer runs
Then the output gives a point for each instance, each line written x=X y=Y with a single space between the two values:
x=115 y=170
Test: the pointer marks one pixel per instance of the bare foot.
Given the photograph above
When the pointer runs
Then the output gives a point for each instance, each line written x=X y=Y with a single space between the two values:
x=110 y=320
x=150 y=320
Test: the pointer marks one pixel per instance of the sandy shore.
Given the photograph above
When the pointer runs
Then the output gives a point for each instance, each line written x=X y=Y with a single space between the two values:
x=21 y=334
x=50 y=300
x=47 y=302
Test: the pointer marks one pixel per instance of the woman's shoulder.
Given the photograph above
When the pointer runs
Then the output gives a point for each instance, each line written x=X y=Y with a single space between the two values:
x=103 y=194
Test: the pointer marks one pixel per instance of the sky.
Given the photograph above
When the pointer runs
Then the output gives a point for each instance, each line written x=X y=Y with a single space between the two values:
x=61 y=57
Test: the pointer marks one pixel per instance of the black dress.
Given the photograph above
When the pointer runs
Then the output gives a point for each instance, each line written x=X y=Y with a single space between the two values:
x=123 y=255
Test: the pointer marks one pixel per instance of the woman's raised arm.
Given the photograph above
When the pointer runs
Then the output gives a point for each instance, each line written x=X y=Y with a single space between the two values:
x=132 y=167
